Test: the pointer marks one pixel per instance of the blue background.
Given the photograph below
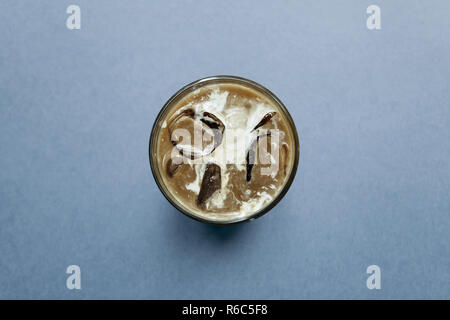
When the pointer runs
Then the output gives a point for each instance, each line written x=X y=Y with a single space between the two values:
x=372 y=112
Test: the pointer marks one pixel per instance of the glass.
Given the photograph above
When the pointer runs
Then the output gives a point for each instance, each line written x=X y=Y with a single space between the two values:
x=153 y=145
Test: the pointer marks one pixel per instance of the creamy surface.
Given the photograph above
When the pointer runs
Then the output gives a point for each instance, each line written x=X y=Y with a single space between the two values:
x=209 y=172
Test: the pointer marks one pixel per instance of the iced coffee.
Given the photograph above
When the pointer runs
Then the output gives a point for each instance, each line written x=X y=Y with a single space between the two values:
x=224 y=150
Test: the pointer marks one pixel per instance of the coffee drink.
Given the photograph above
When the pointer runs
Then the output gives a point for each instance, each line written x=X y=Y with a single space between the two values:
x=223 y=150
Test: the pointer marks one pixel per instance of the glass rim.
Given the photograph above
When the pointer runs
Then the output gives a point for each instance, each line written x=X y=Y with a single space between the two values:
x=200 y=83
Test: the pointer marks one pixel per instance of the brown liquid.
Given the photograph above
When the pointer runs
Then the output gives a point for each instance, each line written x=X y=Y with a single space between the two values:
x=210 y=182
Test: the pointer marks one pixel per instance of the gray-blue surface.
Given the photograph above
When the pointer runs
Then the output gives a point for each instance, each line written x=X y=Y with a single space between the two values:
x=371 y=107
